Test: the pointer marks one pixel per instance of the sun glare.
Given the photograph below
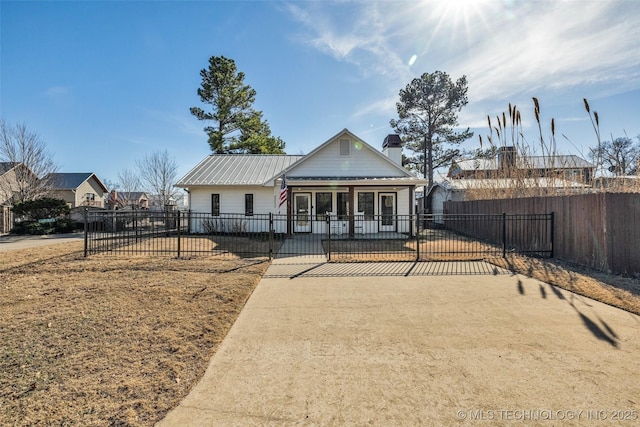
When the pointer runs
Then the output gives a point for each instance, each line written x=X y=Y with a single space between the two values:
x=457 y=18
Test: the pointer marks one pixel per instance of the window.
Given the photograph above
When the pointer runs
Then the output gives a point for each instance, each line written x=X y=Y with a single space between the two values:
x=365 y=205
x=345 y=148
x=90 y=197
x=323 y=205
x=248 y=205
x=343 y=205
x=215 y=204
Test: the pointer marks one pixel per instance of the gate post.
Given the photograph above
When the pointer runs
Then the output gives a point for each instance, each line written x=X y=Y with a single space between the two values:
x=270 y=236
x=553 y=225
x=504 y=235
x=417 y=222
x=178 y=226
x=86 y=231
x=329 y=237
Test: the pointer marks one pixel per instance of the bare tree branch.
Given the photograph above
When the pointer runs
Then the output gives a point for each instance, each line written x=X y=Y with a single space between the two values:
x=30 y=162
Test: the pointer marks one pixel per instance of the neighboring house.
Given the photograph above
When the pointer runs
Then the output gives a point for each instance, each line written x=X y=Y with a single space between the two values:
x=127 y=199
x=175 y=201
x=457 y=190
x=362 y=189
x=17 y=183
x=7 y=189
x=8 y=182
x=77 y=189
x=508 y=164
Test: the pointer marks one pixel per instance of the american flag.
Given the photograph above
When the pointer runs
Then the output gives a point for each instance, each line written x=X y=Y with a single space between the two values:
x=283 y=192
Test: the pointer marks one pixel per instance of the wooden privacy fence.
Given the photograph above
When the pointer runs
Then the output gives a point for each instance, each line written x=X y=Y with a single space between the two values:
x=341 y=238
x=600 y=230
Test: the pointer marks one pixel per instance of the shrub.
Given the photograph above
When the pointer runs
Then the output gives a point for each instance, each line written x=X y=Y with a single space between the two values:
x=43 y=208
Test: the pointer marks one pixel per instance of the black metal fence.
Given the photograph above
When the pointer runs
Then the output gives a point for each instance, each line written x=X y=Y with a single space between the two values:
x=341 y=239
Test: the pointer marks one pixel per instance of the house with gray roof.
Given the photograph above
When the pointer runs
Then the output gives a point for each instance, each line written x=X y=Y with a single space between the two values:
x=77 y=189
x=507 y=164
x=362 y=189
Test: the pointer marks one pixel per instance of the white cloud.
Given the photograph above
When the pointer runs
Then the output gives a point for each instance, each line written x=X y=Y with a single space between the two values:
x=506 y=48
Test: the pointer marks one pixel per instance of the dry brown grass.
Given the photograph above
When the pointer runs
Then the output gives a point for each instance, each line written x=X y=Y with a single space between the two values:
x=618 y=291
x=109 y=341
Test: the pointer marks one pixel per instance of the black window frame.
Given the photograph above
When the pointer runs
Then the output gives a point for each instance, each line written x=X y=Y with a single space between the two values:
x=215 y=204
x=248 y=204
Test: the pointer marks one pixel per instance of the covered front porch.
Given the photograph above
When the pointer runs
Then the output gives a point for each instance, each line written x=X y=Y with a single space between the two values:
x=356 y=208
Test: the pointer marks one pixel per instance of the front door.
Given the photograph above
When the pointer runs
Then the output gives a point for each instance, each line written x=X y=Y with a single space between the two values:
x=302 y=213
x=387 y=209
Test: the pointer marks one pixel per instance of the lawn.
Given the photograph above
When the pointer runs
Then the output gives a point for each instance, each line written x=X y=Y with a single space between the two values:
x=110 y=341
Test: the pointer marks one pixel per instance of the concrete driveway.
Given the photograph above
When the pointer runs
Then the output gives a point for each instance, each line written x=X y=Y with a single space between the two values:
x=482 y=349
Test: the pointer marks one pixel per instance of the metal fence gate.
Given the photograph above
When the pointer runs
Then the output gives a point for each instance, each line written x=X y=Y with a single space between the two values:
x=339 y=239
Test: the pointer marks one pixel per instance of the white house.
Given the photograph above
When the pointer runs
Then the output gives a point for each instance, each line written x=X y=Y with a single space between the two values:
x=362 y=189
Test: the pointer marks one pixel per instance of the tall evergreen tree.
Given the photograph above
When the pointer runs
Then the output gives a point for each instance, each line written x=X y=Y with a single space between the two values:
x=428 y=113
x=238 y=128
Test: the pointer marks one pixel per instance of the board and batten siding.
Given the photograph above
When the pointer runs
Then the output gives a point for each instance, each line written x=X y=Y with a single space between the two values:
x=232 y=203
x=232 y=199
x=362 y=162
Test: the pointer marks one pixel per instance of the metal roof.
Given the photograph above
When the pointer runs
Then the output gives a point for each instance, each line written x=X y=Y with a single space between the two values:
x=537 y=182
x=237 y=169
x=533 y=162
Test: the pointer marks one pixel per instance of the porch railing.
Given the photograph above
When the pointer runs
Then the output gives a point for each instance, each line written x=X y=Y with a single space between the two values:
x=338 y=238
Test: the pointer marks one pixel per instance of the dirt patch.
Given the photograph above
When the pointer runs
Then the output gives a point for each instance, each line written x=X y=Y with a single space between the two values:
x=110 y=341
x=618 y=291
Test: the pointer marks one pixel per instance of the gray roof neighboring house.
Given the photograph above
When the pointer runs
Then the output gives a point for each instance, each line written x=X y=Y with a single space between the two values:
x=238 y=169
x=70 y=181
x=500 y=183
x=533 y=162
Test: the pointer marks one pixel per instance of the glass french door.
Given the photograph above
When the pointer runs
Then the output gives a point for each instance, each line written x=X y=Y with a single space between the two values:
x=302 y=213
x=387 y=210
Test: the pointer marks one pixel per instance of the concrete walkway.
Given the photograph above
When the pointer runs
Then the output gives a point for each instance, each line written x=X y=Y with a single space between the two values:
x=482 y=349
x=10 y=242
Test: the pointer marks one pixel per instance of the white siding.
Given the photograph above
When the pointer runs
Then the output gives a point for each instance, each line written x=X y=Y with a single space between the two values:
x=362 y=162
x=232 y=201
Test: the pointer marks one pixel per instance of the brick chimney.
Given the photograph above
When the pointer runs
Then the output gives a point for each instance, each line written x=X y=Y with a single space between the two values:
x=392 y=148
x=507 y=159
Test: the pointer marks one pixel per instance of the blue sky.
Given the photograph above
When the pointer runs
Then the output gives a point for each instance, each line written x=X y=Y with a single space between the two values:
x=107 y=82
